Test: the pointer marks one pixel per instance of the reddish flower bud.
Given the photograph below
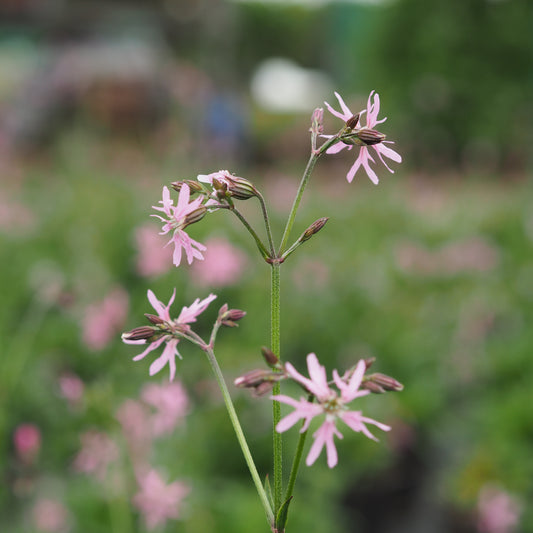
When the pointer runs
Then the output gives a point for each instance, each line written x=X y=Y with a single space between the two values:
x=154 y=319
x=270 y=357
x=143 y=333
x=315 y=227
x=194 y=186
x=352 y=121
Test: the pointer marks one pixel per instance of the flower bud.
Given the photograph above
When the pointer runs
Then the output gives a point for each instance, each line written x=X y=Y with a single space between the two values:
x=370 y=137
x=143 y=333
x=230 y=317
x=380 y=383
x=315 y=227
x=194 y=186
x=352 y=121
x=240 y=188
x=195 y=216
x=154 y=319
x=270 y=357
x=260 y=380
x=317 y=121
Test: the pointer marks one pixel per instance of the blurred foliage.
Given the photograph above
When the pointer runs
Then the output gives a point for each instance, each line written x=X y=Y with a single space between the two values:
x=434 y=280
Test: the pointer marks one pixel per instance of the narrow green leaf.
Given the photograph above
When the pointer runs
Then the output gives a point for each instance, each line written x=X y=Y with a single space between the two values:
x=268 y=491
x=281 y=519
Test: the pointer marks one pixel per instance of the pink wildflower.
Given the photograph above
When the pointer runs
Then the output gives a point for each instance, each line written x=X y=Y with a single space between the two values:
x=223 y=264
x=71 y=388
x=498 y=511
x=171 y=327
x=104 y=319
x=171 y=403
x=153 y=258
x=97 y=452
x=27 y=441
x=50 y=516
x=330 y=403
x=178 y=218
x=158 y=501
x=364 y=158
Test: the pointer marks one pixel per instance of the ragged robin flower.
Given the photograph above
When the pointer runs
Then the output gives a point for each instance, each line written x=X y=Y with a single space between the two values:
x=363 y=137
x=165 y=330
x=178 y=218
x=330 y=403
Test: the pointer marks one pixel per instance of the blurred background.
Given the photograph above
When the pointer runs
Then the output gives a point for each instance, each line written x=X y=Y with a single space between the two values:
x=102 y=103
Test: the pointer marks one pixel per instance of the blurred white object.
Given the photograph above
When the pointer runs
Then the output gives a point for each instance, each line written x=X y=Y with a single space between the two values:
x=280 y=85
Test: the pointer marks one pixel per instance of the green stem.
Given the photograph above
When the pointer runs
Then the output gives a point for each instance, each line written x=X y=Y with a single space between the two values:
x=267 y=223
x=313 y=158
x=258 y=241
x=240 y=435
x=276 y=408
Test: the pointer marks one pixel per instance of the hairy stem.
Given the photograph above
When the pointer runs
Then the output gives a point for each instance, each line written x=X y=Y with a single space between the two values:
x=276 y=409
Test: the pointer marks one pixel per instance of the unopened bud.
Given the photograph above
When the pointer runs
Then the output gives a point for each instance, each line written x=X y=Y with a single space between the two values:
x=315 y=227
x=154 y=319
x=240 y=188
x=194 y=186
x=370 y=137
x=317 y=121
x=143 y=333
x=380 y=383
x=261 y=381
x=230 y=317
x=352 y=121
x=195 y=216
x=270 y=357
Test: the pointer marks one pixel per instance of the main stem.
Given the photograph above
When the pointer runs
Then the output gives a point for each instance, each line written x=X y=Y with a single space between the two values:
x=240 y=435
x=276 y=408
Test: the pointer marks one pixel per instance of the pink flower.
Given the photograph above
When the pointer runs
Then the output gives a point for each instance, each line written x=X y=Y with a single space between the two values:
x=71 y=388
x=157 y=501
x=223 y=264
x=178 y=218
x=364 y=158
x=153 y=258
x=104 y=319
x=329 y=403
x=27 y=441
x=498 y=511
x=50 y=516
x=171 y=403
x=173 y=327
x=97 y=452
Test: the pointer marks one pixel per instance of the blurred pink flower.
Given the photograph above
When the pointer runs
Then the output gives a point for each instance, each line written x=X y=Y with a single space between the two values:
x=223 y=264
x=171 y=403
x=50 y=516
x=157 y=501
x=186 y=316
x=153 y=258
x=364 y=158
x=134 y=419
x=27 y=441
x=15 y=218
x=97 y=452
x=178 y=218
x=71 y=388
x=498 y=511
x=103 y=320
x=330 y=403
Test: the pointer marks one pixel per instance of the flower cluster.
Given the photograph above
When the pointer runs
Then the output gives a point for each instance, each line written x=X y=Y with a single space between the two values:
x=165 y=330
x=363 y=136
x=330 y=403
